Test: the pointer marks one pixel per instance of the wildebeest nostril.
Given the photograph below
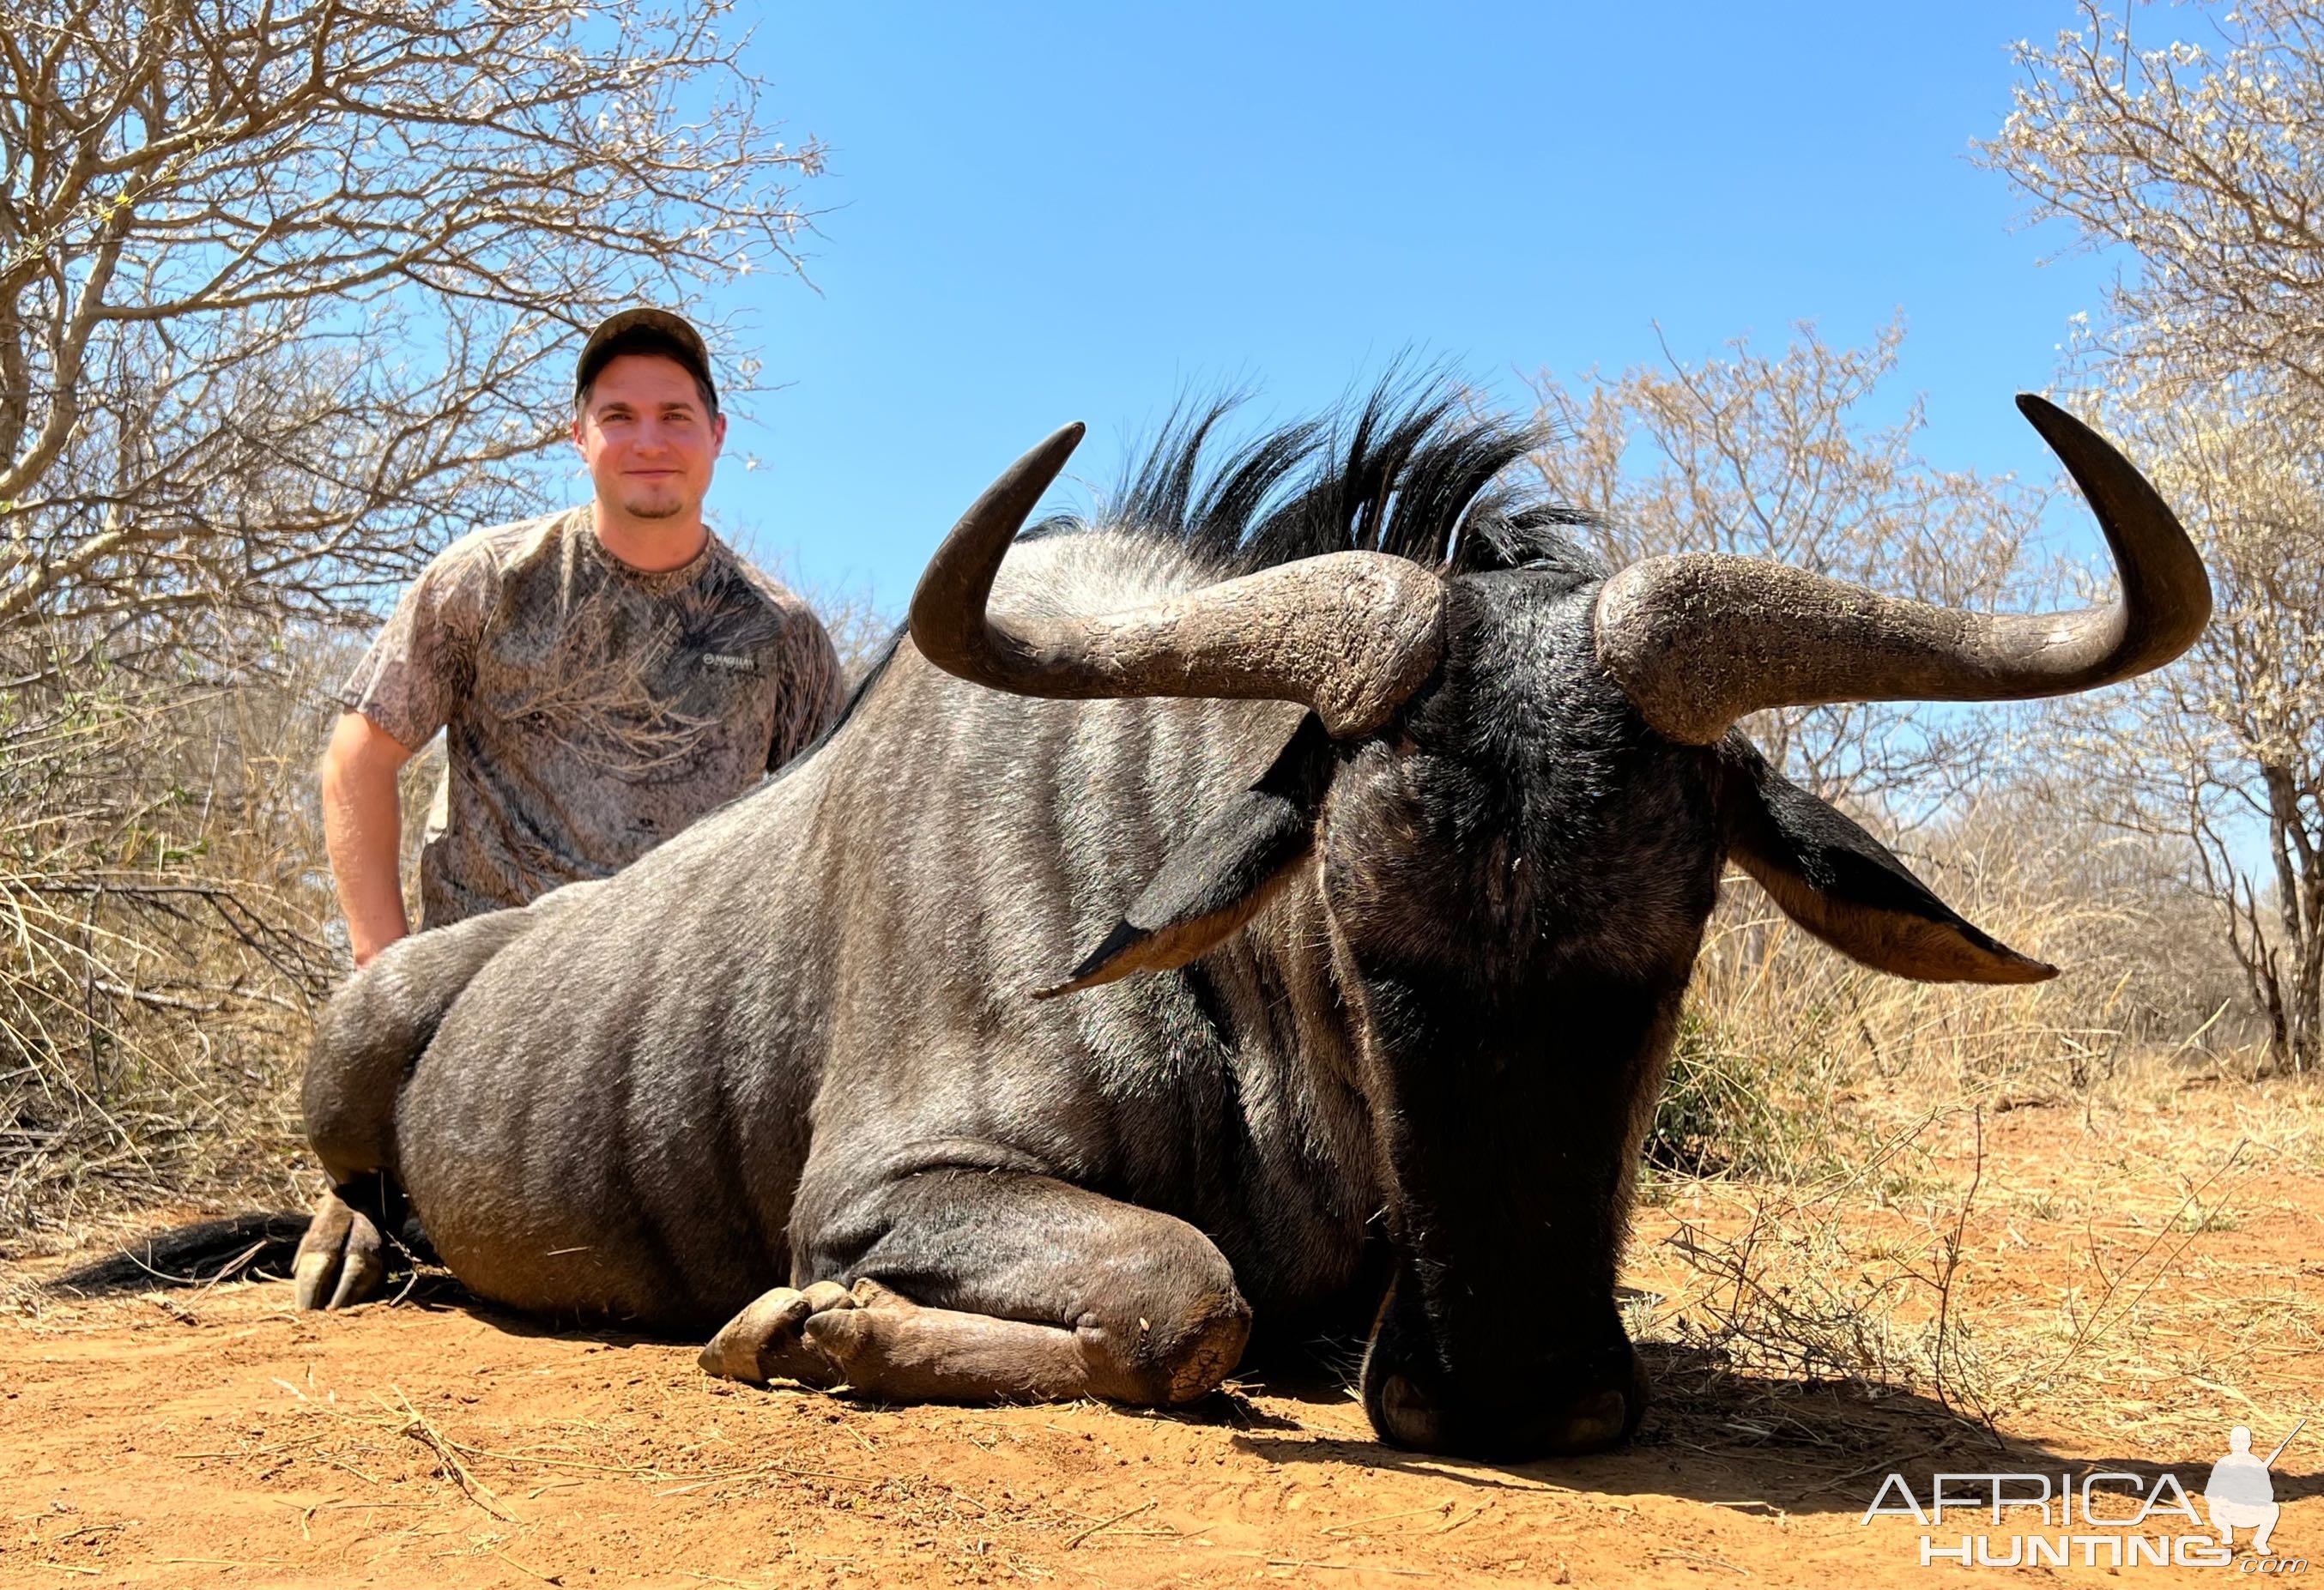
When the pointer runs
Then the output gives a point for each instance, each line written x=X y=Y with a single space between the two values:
x=1591 y=1425
x=1519 y=1429
x=1406 y=1417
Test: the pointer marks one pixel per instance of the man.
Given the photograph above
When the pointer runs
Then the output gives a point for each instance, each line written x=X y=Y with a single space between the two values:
x=605 y=674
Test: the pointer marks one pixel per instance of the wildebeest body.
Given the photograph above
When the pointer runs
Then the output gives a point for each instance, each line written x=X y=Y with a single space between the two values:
x=1414 y=841
x=617 y=1117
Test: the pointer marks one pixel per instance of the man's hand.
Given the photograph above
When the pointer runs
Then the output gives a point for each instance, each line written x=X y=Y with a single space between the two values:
x=362 y=828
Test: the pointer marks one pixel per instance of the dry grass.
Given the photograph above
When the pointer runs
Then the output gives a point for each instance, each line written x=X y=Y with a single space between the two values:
x=2015 y=1288
x=163 y=933
x=1830 y=1196
x=1781 y=1034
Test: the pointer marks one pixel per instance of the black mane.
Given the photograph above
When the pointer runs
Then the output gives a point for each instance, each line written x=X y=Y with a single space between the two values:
x=1420 y=477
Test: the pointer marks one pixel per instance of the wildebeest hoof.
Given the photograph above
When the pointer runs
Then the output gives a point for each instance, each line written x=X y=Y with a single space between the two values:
x=342 y=1260
x=841 y=1332
x=766 y=1341
x=868 y=1293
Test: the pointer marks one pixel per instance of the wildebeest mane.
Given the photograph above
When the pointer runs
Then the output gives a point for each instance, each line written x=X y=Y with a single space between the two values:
x=1418 y=476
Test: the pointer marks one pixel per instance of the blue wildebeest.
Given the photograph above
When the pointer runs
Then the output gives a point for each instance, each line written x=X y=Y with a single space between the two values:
x=1412 y=816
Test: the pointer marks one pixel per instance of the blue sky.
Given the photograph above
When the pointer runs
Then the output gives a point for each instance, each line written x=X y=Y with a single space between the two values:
x=1038 y=215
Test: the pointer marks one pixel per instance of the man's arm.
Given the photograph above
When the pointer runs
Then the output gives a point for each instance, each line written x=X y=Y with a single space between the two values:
x=416 y=674
x=362 y=829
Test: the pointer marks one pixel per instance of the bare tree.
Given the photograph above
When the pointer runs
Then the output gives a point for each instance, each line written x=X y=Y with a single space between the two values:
x=2202 y=156
x=2224 y=750
x=1772 y=457
x=288 y=296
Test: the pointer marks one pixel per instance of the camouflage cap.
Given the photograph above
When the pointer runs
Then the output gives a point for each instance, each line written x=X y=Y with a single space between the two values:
x=674 y=332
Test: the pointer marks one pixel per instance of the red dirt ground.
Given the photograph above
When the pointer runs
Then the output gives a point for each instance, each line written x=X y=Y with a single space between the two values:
x=218 y=1438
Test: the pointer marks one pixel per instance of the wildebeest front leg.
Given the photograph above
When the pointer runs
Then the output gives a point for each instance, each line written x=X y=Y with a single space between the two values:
x=990 y=1286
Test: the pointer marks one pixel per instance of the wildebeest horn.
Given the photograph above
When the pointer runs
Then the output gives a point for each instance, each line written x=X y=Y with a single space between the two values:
x=1701 y=639
x=1349 y=634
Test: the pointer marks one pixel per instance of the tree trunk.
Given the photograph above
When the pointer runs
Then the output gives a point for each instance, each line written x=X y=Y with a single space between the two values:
x=2299 y=859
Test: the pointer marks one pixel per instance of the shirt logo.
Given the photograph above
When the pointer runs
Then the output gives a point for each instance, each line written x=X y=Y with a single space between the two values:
x=733 y=665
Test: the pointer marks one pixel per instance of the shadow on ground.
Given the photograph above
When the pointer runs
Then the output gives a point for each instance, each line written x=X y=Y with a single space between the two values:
x=1713 y=1434
x=1720 y=1436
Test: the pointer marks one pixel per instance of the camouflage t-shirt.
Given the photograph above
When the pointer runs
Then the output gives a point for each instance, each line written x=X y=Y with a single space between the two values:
x=592 y=708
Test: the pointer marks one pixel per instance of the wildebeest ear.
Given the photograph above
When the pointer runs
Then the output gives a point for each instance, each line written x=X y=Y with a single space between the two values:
x=1220 y=874
x=1845 y=887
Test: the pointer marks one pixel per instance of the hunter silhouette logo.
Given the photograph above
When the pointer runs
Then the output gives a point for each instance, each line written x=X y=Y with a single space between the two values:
x=2116 y=1519
x=2241 y=1490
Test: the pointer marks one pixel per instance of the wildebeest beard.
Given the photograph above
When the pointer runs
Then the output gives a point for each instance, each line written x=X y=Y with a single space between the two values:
x=1315 y=789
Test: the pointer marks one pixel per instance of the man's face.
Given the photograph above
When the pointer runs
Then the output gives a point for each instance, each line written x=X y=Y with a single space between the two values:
x=647 y=439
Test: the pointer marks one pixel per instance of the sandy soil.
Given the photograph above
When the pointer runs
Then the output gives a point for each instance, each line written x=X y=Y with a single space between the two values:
x=2175 y=1270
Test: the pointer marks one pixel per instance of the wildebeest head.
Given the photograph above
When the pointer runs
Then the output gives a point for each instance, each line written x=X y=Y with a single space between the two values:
x=1518 y=782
